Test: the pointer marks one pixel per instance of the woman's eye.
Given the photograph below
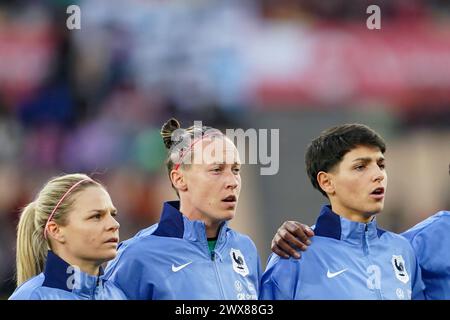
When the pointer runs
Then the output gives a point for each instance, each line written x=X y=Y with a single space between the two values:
x=382 y=166
x=237 y=170
x=359 y=168
x=97 y=216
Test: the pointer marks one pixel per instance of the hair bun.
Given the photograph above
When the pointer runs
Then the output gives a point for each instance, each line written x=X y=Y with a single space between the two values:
x=167 y=129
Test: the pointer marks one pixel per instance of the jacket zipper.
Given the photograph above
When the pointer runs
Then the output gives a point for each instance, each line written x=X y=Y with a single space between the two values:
x=216 y=269
x=97 y=281
x=367 y=254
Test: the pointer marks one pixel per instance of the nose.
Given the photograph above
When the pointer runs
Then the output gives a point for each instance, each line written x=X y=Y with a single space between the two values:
x=379 y=175
x=233 y=180
x=113 y=224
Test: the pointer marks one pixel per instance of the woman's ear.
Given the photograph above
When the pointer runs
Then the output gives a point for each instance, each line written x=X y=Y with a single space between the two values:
x=55 y=232
x=178 y=179
x=325 y=181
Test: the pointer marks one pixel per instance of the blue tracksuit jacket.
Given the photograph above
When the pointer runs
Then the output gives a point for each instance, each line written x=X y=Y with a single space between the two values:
x=431 y=242
x=346 y=260
x=171 y=260
x=60 y=281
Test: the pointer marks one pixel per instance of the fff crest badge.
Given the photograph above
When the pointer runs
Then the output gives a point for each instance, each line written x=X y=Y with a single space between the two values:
x=400 y=268
x=239 y=264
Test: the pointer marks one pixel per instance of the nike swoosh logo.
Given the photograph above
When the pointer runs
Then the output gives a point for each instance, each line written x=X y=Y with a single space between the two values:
x=334 y=274
x=176 y=269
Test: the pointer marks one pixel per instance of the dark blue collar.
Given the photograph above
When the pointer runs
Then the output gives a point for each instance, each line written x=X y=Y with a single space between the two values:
x=331 y=225
x=61 y=275
x=171 y=221
x=174 y=224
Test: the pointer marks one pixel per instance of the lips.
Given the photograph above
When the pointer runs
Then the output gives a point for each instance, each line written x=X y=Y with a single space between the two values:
x=230 y=198
x=112 y=240
x=377 y=193
x=230 y=202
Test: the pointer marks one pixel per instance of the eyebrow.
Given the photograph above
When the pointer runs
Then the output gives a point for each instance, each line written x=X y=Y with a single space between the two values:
x=114 y=210
x=224 y=163
x=368 y=159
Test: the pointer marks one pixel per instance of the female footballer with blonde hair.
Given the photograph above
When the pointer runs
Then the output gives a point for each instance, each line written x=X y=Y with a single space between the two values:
x=63 y=238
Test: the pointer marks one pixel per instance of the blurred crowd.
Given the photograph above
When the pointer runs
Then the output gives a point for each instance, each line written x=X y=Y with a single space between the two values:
x=93 y=100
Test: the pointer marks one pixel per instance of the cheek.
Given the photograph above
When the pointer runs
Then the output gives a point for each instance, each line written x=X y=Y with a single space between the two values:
x=238 y=189
x=348 y=186
x=201 y=195
x=88 y=235
x=209 y=187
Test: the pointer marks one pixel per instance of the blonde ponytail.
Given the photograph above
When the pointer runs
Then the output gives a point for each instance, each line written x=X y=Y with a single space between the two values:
x=31 y=246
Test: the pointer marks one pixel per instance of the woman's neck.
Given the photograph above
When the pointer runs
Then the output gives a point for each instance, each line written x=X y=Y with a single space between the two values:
x=211 y=225
x=351 y=215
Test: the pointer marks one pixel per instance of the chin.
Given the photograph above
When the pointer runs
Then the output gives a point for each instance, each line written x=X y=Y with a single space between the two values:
x=109 y=255
x=228 y=215
x=376 y=209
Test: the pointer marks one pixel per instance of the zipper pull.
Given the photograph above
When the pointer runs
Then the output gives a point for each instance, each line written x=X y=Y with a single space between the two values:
x=213 y=255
